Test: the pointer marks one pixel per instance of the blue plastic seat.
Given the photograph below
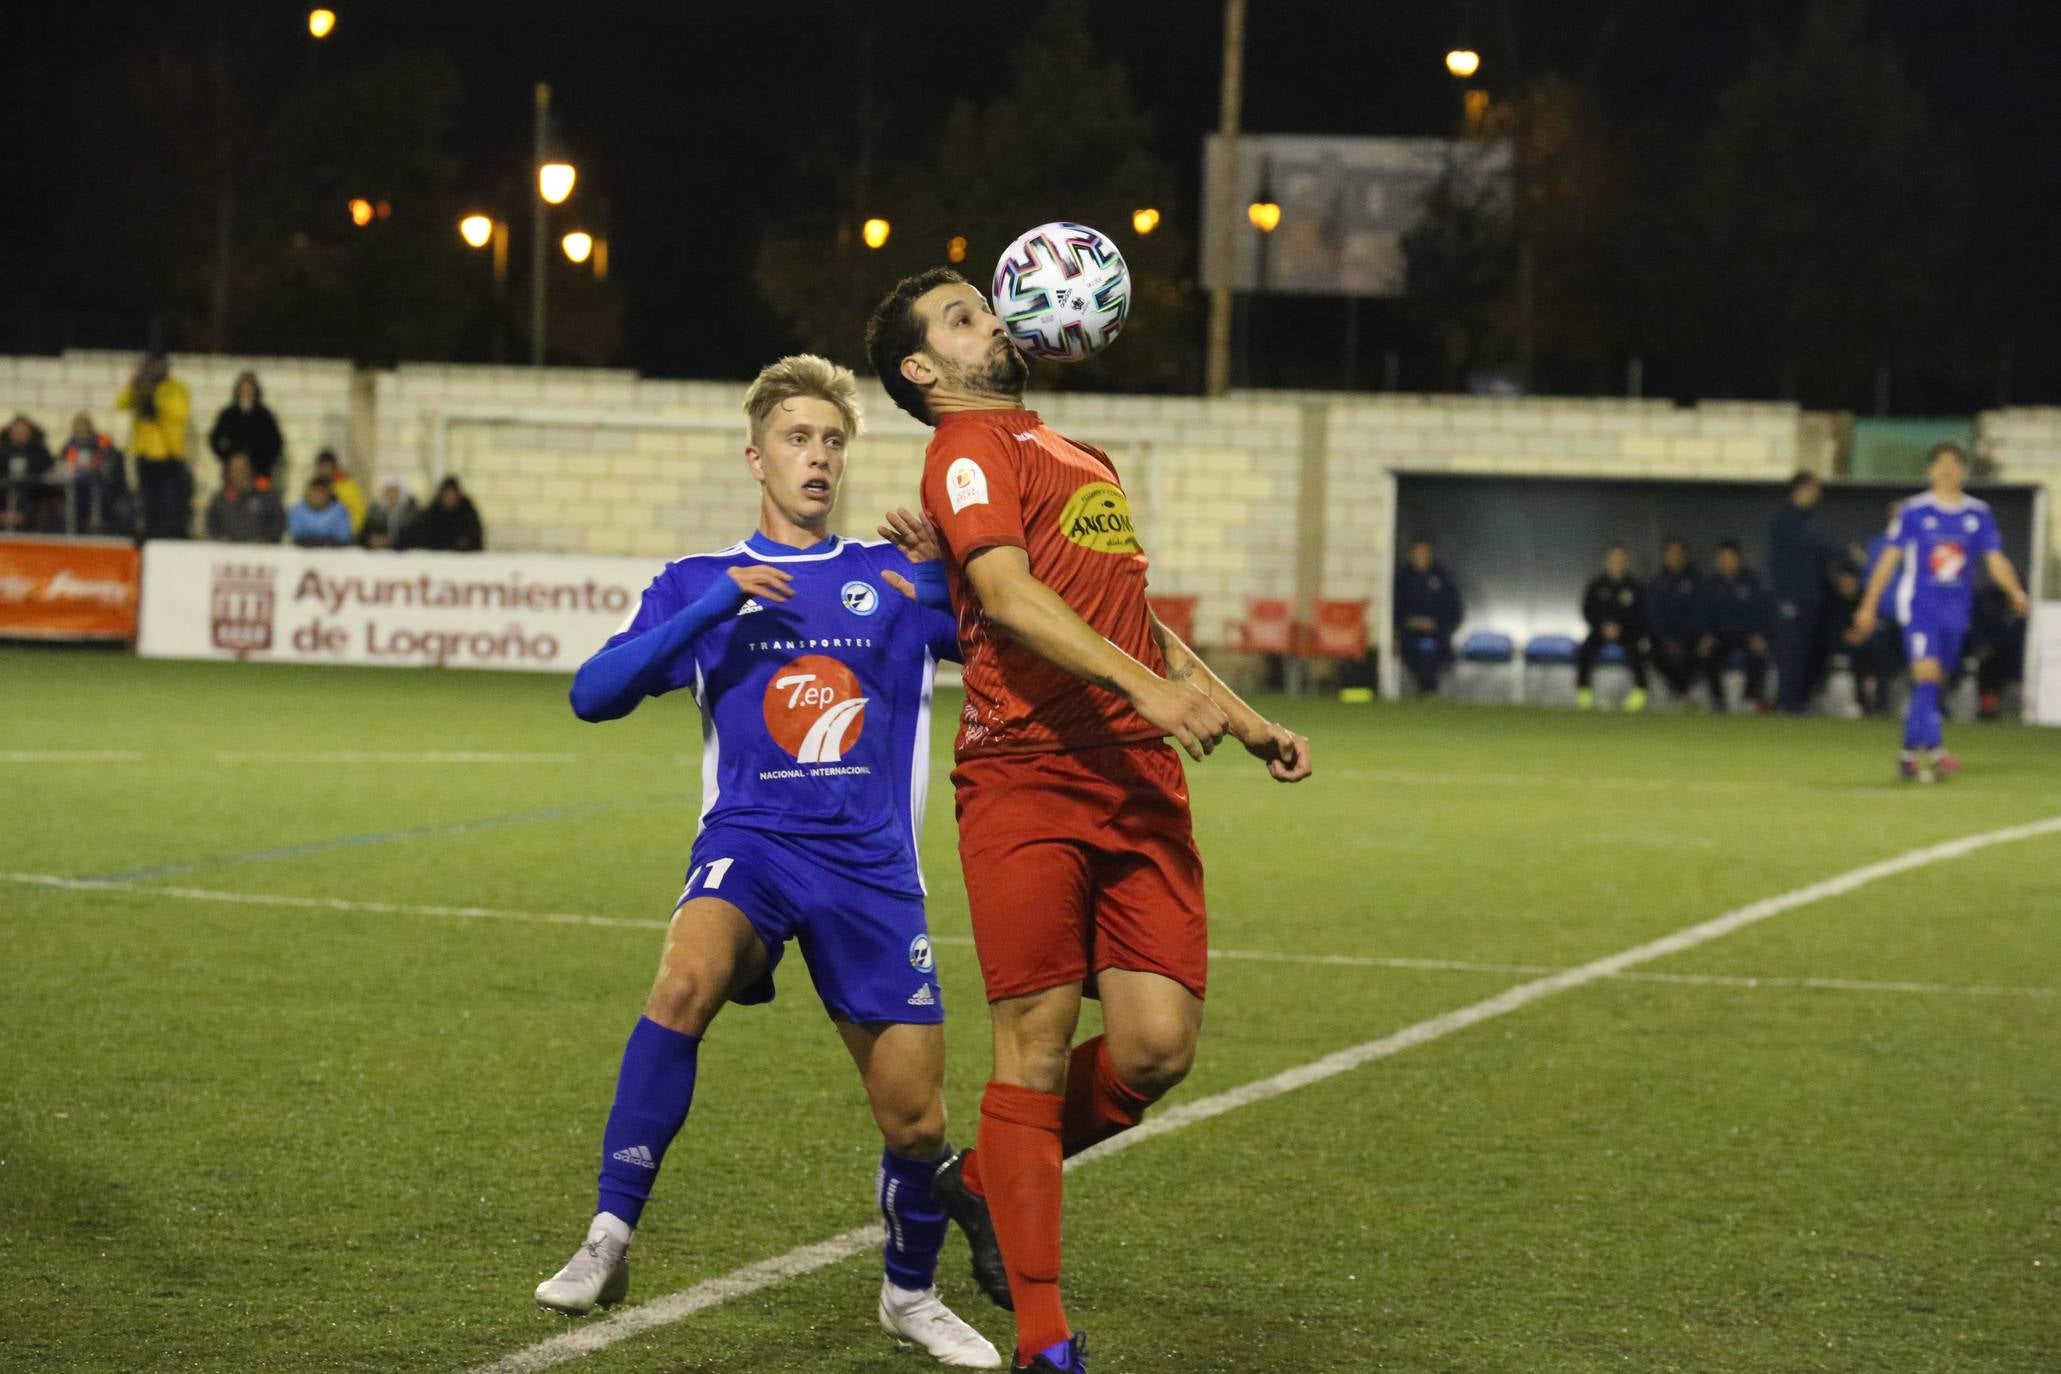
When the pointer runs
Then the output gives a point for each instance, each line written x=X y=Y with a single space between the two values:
x=1487 y=646
x=1553 y=650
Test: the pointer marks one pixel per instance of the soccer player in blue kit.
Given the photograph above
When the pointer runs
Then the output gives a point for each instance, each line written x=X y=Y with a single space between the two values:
x=811 y=659
x=1935 y=539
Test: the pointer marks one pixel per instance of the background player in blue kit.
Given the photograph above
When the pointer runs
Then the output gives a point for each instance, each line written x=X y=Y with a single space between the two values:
x=1936 y=540
x=811 y=658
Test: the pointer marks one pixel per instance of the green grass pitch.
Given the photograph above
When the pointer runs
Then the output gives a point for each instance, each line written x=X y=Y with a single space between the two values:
x=239 y=1134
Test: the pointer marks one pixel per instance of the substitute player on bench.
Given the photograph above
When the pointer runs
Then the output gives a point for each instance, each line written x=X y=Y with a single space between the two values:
x=812 y=664
x=1081 y=868
x=1936 y=539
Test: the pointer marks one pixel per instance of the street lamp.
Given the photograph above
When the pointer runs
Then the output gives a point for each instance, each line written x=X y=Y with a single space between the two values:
x=1463 y=62
x=555 y=182
x=361 y=211
x=875 y=232
x=478 y=231
x=955 y=248
x=1265 y=213
x=1144 y=221
x=321 y=23
x=578 y=245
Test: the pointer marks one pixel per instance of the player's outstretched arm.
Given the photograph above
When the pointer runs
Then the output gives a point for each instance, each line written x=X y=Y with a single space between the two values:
x=1038 y=618
x=2004 y=575
x=1878 y=583
x=1286 y=754
x=609 y=685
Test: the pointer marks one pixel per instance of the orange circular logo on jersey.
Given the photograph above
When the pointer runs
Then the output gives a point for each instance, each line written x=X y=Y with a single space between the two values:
x=1948 y=560
x=814 y=709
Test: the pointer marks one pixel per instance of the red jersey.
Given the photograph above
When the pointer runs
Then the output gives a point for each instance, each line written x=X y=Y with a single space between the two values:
x=993 y=477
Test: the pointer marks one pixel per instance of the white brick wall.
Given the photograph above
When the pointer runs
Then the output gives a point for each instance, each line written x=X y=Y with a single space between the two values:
x=599 y=461
x=2025 y=441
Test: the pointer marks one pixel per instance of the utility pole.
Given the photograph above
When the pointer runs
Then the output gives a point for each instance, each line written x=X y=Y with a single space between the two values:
x=1225 y=217
x=538 y=258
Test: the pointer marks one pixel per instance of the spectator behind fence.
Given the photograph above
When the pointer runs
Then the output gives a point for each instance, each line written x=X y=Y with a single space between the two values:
x=1674 y=603
x=1996 y=637
x=1801 y=552
x=1734 y=619
x=449 y=523
x=240 y=512
x=388 y=517
x=1427 y=611
x=157 y=441
x=343 y=486
x=247 y=426
x=318 y=520
x=100 y=488
x=25 y=465
x=1614 y=605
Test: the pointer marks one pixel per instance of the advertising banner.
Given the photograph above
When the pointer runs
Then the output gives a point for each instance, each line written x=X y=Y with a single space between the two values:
x=1346 y=204
x=68 y=588
x=266 y=603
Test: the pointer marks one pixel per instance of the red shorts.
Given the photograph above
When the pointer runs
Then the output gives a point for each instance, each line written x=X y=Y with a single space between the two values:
x=1081 y=861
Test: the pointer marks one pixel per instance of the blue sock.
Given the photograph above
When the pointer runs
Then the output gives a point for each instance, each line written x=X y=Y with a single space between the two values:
x=1921 y=720
x=915 y=1219
x=652 y=1094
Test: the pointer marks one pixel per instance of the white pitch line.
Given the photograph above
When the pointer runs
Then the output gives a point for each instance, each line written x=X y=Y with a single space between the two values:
x=348 y=905
x=599 y=1335
x=201 y=894
x=342 y=756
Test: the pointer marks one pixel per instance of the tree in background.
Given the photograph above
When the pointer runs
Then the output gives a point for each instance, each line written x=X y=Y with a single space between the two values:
x=1830 y=208
x=1062 y=140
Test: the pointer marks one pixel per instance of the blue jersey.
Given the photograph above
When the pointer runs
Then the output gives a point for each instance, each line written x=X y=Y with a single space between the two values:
x=815 y=711
x=1942 y=547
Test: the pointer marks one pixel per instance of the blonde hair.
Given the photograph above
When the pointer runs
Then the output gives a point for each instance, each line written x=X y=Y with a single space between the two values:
x=804 y=374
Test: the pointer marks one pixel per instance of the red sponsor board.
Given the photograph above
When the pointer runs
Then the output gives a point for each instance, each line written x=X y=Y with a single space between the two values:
x=68 y=588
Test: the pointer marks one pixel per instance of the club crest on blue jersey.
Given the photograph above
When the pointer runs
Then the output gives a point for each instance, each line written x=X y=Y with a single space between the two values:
x=860 y=598
x=920 y=957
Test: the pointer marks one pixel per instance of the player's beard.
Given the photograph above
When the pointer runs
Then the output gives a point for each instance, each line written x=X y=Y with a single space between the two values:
x=1005 y=373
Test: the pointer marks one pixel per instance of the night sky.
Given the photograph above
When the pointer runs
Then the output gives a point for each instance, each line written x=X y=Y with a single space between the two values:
x=683 y=116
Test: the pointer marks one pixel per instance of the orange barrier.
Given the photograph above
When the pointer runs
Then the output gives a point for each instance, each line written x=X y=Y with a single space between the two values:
x=1177 y=613
x=68 y=588
x=1340 y=630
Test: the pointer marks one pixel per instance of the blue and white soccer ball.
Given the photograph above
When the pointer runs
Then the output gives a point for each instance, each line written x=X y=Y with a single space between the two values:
x=1062 y=291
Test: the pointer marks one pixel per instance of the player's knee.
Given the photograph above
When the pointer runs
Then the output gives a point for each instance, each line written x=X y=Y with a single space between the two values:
x=684 y=999
x=912 y=1130
x=1927 y=670
x=1154 y=1060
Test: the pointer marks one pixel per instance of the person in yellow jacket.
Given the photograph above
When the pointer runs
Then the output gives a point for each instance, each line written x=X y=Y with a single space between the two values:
x=157 y=441
x=344 y=487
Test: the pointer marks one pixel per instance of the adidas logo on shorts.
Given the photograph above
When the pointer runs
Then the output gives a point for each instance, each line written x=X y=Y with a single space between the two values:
x=922 y=997
x=640 y=1156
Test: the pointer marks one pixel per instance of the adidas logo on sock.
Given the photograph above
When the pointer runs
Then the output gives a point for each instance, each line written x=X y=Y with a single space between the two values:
x=641 y=1157
x=923 y=997
x=750 y=604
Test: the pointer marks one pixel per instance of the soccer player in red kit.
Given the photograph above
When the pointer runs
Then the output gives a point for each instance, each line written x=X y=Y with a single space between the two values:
x=1080 y=861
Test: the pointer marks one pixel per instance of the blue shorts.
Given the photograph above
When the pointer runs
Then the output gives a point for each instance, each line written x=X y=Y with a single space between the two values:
x=1932 y=639
x=868 y=948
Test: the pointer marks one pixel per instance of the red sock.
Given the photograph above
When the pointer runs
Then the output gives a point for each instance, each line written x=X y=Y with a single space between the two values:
x=1099 y=1104
x=1019 y=1141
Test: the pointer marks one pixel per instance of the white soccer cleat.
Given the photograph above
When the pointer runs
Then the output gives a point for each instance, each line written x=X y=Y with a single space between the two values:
x=920 y=1317
x=598 y=1274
